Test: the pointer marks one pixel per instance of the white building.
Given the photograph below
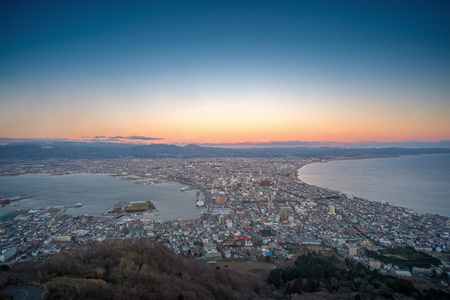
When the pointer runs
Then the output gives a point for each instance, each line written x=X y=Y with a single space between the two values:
x=332 y=210
x=229 y=223
x=210 y=248
x=7 y=254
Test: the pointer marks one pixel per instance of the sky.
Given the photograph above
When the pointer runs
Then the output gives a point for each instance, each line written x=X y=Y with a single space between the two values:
x=225 y=72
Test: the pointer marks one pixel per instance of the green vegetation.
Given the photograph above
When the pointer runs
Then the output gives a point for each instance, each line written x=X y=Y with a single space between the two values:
x=139 y=207
x=314 y=272
x=404 y=257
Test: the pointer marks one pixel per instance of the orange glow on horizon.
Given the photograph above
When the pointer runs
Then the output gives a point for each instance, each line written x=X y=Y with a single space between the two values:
x=247 y=120
x=219 y=131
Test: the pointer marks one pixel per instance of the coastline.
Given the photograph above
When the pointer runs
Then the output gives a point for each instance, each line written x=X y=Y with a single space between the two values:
x=162 y=194
x=358 y=194
x=259 y=194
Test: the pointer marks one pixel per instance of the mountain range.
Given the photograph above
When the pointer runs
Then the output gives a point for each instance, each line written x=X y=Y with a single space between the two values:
x=84 y=150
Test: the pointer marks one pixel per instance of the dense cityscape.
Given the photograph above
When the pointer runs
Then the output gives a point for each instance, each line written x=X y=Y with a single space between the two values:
x=252 y=209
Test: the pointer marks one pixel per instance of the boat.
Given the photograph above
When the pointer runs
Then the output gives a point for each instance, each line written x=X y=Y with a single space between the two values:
x=6 y=201
x=78 y=204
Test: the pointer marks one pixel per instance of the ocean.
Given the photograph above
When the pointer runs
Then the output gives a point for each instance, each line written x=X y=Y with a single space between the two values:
x=419 y=182
x=97 y=193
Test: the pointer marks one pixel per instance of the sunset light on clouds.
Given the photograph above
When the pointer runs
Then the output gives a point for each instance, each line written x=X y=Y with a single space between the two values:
x=226 y=72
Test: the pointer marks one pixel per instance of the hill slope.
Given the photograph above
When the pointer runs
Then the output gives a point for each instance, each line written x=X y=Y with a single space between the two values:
x=133 y=269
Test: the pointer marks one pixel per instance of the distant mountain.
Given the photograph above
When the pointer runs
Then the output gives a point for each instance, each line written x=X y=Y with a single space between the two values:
x=359 y=145
x=83 y=150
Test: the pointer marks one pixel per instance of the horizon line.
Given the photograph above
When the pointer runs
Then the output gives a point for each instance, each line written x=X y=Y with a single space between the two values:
x=142 y=140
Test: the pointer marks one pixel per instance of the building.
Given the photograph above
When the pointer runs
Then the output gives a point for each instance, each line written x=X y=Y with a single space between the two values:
x=7 y=254
x=221 y=199
x=403 y=273
x=229 y=223
x=221 y=219
x=210 y=248
x=352 y=250
x=265 y=183
x=61 y=238
x=352 y=232
x=212 y=256
x=375 y=264
x=332 y=210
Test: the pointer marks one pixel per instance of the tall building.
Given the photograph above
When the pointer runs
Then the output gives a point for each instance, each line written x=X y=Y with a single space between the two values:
x=229 y=223
x=332 y=210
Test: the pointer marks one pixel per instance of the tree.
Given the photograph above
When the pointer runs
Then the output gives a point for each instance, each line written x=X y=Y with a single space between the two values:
x=4 y=268
x=297 y=288
x=312 y=286
x=433 y=274
x=288 y=290
x=275 y=278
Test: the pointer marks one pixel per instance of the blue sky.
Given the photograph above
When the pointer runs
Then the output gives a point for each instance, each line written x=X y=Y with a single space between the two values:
x=91 y=65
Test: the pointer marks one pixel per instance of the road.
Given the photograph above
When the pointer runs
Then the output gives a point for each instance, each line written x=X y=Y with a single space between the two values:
x=22 y=292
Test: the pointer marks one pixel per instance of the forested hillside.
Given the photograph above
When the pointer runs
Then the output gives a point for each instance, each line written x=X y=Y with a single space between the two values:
x=133 y=269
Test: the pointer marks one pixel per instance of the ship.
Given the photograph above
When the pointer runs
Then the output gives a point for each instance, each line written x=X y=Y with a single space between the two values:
x=6 y=201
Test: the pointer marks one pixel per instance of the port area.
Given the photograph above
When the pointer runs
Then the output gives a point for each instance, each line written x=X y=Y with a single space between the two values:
x=8 y=200
x=137 y=207
x=145 y=180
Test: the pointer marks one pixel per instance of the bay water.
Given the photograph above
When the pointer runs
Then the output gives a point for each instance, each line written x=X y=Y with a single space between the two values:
x=419 y=182
x=97 y=193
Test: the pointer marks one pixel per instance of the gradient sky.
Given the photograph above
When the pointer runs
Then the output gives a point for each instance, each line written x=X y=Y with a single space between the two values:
x=226 y=72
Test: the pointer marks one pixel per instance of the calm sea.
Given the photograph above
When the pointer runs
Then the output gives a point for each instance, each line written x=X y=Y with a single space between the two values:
x=419 y=182
x=97 y=193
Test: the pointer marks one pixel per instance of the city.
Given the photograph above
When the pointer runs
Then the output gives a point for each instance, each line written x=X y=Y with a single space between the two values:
x=252 y=209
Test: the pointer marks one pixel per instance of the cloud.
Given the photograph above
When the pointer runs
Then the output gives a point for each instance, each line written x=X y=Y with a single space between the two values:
x=143 y=138
x=119 y=138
